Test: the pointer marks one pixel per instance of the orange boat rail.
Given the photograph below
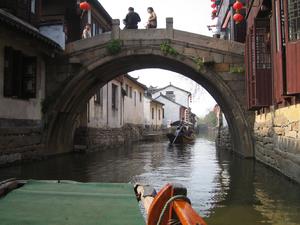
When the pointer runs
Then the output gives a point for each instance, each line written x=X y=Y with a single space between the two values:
x=186 y=214
x=170 y=205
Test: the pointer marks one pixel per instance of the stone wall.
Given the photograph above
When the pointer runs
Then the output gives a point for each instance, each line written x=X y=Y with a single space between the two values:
x=20 y=144
x=277 y=140
x=93 y=139
x=223 y=139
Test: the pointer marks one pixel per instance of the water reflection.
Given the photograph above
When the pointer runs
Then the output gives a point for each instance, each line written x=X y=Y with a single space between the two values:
x=223 y=188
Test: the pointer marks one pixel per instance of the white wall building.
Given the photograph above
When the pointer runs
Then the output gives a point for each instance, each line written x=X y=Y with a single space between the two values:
x=134 y=101
x=119 y=102
x=171 y=110
x=177 y=103
x=153 y=113
x=177 y=94
x=106 y=108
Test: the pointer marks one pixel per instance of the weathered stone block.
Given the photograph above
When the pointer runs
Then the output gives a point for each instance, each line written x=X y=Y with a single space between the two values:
x=291 y=134
x=267 y=140
x=222 y=67
x=279 y=131
x=280 y=121
x=295 y=126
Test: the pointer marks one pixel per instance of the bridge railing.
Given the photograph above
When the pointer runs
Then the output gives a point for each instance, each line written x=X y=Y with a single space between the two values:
x=168 y=33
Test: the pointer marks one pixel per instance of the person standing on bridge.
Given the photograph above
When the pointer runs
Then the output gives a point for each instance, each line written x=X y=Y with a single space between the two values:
x=132 y=19
x=152 y=21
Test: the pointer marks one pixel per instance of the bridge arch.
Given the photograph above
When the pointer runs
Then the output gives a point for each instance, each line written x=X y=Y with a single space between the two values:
x=140 y=50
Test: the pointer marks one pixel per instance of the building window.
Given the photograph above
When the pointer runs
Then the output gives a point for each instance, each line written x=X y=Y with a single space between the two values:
x=20 y=73
x=127 y=90
x=114 y=96
x=130 y=92
x=159 y=114
x=169 y=92
x=152 y=113
x=163 y=113
x=262 y=45
x=98 y=98
x=141 y=97
x=134 y=98
x=33 y=6
x=294 y=19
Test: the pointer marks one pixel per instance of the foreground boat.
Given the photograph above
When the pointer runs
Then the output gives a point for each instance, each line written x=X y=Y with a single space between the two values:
x=71 y=203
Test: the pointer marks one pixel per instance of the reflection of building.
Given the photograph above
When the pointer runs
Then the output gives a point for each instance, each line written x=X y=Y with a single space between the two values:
x=176 y=103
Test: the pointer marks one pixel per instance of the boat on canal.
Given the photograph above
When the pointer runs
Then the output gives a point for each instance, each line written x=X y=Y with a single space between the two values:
x=181 y=133
x=59 y=202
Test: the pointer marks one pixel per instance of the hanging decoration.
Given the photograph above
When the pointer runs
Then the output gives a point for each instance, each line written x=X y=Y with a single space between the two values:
x=85 y=6
x=213 y=5
x=237 y=6
x=238 y=17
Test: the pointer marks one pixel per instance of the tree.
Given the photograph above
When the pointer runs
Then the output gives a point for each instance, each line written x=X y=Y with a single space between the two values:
x=209 y=119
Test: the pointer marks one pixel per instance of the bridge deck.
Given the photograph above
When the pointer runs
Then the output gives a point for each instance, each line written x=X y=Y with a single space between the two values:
x=196 y=40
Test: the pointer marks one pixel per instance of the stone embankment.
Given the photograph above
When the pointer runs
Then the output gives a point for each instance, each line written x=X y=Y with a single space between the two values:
x=223 y=139
x=93 y=139
x=277 y=140
x=20 y=144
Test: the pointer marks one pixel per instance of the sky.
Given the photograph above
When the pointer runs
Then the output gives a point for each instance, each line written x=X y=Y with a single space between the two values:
x=188 y=15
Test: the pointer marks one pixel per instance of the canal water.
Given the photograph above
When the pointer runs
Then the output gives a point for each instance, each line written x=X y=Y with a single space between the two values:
x=223 y=188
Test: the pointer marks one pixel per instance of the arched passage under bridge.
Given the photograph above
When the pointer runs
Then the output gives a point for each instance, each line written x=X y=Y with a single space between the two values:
x=89 y=64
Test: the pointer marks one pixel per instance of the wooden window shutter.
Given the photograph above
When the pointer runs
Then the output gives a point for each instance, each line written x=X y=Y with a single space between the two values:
x=17 y=74
x=263 y=66
x=29 y=77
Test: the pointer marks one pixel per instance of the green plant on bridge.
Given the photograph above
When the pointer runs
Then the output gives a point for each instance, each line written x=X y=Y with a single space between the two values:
x=114 y=46
x=167 y=49
x=199 y=62
x=237 y=69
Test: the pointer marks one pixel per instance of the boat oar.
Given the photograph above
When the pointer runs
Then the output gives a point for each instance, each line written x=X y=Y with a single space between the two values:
x=176 y=136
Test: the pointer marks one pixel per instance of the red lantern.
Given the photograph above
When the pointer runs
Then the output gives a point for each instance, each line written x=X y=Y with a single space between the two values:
x=213 y=0
x=237 y=6
x=214 y=11
x=213 y=5
x=85 y=6
x=238 y=17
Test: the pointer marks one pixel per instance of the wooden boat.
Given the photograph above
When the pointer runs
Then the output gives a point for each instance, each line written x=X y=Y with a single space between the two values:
x=184 y=133
x=67 y=202
x=181 y=138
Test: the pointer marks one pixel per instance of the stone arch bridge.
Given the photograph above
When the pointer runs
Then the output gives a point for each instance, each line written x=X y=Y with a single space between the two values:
x=89 y=64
